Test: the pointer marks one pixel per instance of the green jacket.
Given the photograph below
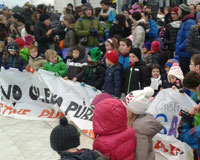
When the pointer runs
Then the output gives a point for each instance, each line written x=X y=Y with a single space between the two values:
x=24 y=53
x=58 y=67
x=82 y=27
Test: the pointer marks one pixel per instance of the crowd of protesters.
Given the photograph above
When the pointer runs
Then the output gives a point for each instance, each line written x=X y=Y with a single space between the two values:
x=130 y=56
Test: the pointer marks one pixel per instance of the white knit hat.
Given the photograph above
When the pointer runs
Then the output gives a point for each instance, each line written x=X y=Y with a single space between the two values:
x=138 y=101
x=176 y=71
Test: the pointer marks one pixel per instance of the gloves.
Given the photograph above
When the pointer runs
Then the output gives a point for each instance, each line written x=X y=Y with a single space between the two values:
x=6 y=67
x=28 y=68
x=83 y=84
x=93 y=32
x=20 y=69
x=94 y=89
x=57 y=74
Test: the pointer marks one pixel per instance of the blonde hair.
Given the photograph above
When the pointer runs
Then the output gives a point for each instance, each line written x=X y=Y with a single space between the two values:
x=131 y=119
x=49 y=53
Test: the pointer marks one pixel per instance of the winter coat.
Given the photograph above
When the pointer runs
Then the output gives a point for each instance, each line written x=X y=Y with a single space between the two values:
x=153 y=31
x=83 y=154
x=147 y=58
x=95 y=75
x=119 y=29
x=4 y=32
x=70 y=37
x=113 y=77
x=114 y=138
x=44 y=42
x=182 y=36
x=193 y=41
x=14 y=61
x=77 y=67
x=124 y=61
x=83 y=26
x=146 y=127
x=136 y=77
x=37 y=62
x=16 y=29
x=159 y=58
x=170 y=35
x=139 y=34
x=58 y=67
x=27 y=15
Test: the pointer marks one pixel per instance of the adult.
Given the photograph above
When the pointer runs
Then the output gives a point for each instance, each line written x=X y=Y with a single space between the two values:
x=88 y=28
x=36 y=16
x=17 y=24
x=27 y=12
x=28 y=30
x=180 y=48
x=71 y=8
x=4 y=30
x=192 y=9
x=126 y=13
x=171 y=32
x=44 y=35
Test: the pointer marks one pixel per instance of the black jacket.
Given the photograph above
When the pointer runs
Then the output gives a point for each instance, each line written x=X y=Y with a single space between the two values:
x=119 y=29
x=95 y=75
x=14 y=62
x=193 y=41
x=159 y=58
x=4 y=32
x=40 y=36
x=136 y=77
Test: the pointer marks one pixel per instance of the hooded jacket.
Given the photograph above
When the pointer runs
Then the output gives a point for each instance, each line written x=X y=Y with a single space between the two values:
x=146 y=127
x=14 y=61
x=114 y=138
x=37 y=62
x=182 y=36
x=58 y=67
x=70 y=37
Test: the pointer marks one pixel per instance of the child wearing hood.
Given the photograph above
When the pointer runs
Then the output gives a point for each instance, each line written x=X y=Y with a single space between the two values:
x=146 y=54
x=77 y=65
x=113 y=136
x=13 y=59
x=144 y=124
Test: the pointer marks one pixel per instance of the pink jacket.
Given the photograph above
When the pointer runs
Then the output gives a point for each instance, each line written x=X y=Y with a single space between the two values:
x=114 y=138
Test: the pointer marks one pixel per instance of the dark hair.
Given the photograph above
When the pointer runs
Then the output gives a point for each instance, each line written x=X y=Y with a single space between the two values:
x=161 y=9
x=106 y=2
x=191 y=80
x=147 y=15
x=28 y=27
x=137 y=16
x=97 y=11
x=196 y=59
x=67 y=10
x=76 y=48
x=155 y=66
x=193 y=6
x=121 y=19
x=127 y=41
x=69 y=4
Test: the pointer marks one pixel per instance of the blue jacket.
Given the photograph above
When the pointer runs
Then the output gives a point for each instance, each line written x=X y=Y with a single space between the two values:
x=113 y=78
x=124 y=61
x=182 y=36
x=153 y=30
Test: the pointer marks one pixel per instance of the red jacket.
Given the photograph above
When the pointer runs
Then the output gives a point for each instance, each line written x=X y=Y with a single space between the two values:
x=114 y=138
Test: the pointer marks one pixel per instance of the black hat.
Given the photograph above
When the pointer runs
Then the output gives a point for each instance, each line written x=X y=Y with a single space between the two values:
x=18 y=17
x=12 y=46
x=44 y=16
x=64 y=136
x=137 y=52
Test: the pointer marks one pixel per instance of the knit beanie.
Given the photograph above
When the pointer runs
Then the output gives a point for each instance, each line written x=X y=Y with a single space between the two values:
x=170 y=62
x=29 y=39
x=44 y=16
x=136 y=52
x=112 y=56
x=64 y=136
x=12 y=46
x=20 y=42
x=184 y=7
x=95 y=54
x=87 y=6
x=176 y=71
x=100 y=97
x=147 y=45
x=138 y=101
x=175 y=9
x=155 y=46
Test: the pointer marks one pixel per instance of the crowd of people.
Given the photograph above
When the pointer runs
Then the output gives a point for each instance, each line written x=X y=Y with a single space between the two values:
x=130 y=56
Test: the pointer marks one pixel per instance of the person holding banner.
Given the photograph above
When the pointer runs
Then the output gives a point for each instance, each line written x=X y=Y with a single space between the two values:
x=145 y=125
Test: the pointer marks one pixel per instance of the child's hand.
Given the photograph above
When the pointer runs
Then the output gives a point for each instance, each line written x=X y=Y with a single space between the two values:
x=65 y=78
x=195 y=109
x=174 y=87
x=74 y=79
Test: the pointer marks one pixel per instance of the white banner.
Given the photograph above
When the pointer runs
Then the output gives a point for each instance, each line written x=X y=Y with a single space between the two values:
x=44 y=96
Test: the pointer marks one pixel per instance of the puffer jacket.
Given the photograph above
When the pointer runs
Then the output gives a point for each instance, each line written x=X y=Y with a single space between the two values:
x=70 y=37
x=37 y=62
x=193 y=41
x=136 y=77
x=171 y=34
x=146 y=127
x=58 y=67
x=113 y=78
x=114 y=138
x=153 y=31
x=14 y=61
x=83 y=26
x=182 y=36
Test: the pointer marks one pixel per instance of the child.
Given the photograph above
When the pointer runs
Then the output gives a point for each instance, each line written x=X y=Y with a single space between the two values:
x=146 y=54
x=35 y=61
x=111 y=44
x=65 y=139
x=175 y=76
x=112 y=84
x=113 y=136
x=136 y=76
x=144 y=124
x=124 y=49
x=76 y=65
x=55 y=63
x=13 y=59
x=95 y=71
x=156 y=82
